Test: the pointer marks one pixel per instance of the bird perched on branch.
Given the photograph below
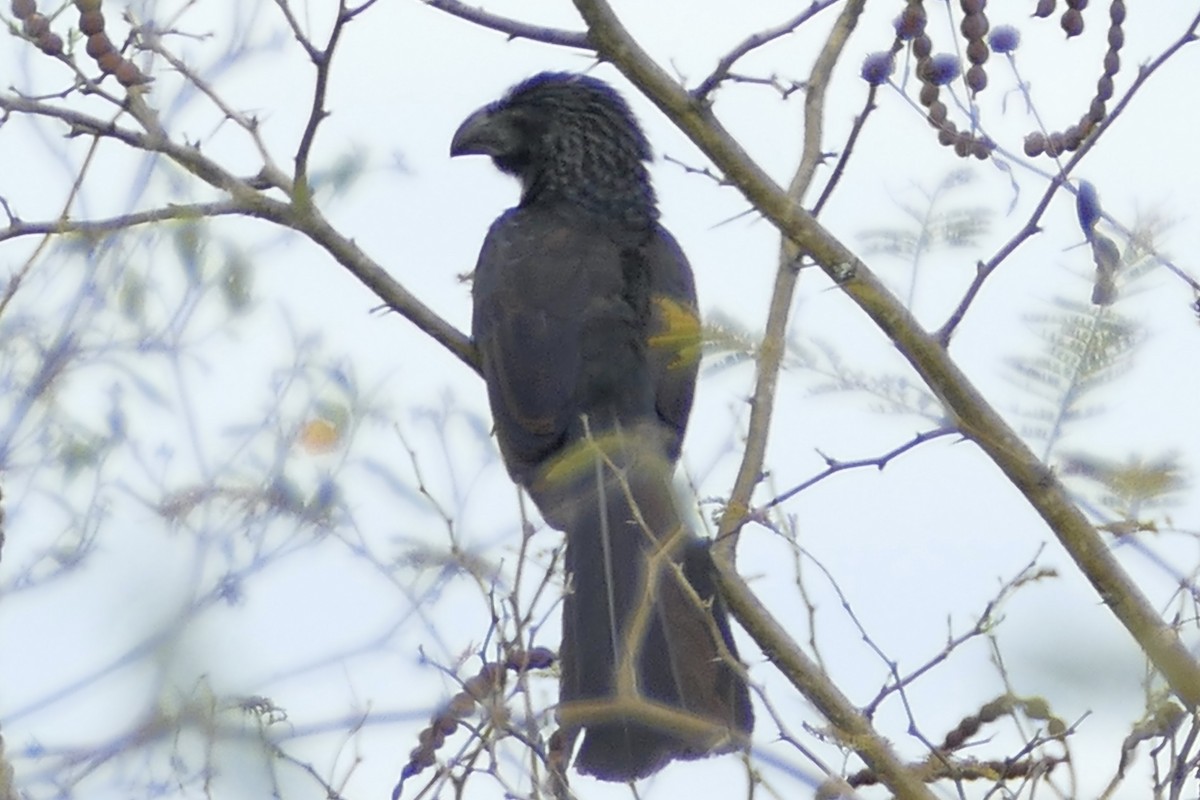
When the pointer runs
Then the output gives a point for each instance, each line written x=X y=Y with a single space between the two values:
x=586 y=323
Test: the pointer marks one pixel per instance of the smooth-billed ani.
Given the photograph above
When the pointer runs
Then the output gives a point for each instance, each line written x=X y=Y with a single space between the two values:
x=586 y=322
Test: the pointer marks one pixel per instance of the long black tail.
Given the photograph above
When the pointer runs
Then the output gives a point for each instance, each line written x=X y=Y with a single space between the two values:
x=626 y=544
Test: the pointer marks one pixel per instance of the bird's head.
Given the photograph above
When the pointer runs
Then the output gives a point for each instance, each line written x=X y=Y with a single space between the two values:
x=565 y=137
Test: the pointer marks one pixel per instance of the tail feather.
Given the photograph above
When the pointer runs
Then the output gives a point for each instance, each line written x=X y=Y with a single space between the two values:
x=628 y=557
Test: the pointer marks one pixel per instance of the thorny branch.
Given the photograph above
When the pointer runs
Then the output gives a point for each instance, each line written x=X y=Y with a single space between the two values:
x=973 y=415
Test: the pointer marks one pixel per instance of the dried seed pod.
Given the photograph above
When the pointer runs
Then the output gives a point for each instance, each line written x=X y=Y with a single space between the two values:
x=1072 y=138
x=1116 y=37
x=1116 y=12
x=1096 y=111
x=1055 y=143
x=1072 y=22
x=128 y=74
x=91 y=22
x=1112 y=63
x=1035 y=144
x=1104 y=88
x=974 y=26
x=99 y=44
x=922 y=46
x=977 y=51
x=929 y=93
x=36 y=25
x=1044 y=8
x=51 y=44
x=977 y=78
x=110 y=61
x=23 y=9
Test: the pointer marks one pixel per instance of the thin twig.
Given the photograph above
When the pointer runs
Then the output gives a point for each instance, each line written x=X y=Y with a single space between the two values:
x=752 y=42
x=834 y=466
x=515 y=29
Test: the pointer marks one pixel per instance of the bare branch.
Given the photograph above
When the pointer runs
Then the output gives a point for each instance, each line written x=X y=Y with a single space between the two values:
x=95 y=227
x=975 y=417
x=752 y=42
x=835 y=466
x=514 y=28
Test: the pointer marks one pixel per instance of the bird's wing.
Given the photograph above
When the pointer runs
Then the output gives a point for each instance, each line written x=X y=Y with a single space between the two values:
x=674 y=335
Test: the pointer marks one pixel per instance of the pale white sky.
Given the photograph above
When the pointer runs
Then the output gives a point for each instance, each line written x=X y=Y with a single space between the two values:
x=928 y=540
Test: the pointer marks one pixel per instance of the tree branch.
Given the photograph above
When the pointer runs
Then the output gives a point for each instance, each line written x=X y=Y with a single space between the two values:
x=974 y=416
x=245 y=199
x=514 y=28
x=753 y=42
x=694 y=118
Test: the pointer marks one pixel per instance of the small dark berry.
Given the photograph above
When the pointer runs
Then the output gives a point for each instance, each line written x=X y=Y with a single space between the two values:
x=1072 y=138
x=23 y=8
x=1072 y=22
x=1116 y=12
x=937 y=113
x=36 y=26
x=947 y=137
x=128 y=74
x=1104 y=88
x=1035 y=144
x=1054 y=146
x=109 y=61
x=1097 y=110
x=1116 y=37
x=977 y=51
x=1112 y=63
x=977 y=78
x=962 y=146
x=51 y=44
x=91 y=22
x=928 y=95
x=922 y=46
x=1044 y=8
x=972 y=6
x=87 y=5
x=974 y=26
x=99 y=44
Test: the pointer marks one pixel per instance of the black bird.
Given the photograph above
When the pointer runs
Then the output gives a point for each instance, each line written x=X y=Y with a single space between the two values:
x=587 y=327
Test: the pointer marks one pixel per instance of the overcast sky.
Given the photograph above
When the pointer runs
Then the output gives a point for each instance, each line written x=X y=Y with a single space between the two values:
x=914 y=548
